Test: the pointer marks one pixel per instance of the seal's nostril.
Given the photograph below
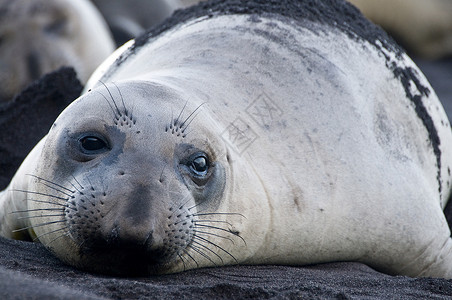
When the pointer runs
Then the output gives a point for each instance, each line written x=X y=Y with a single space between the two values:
x=121 y=173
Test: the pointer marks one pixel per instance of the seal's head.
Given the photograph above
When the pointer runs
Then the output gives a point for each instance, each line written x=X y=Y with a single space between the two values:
x=126 y=180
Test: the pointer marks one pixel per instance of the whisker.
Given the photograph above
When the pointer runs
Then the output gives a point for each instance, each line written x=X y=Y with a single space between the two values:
x=53 y=231
x=161 y=174
x=38 y=209
x=81 y=244
x=187 y=219
x=38 y=225
x=122 y=98
x=41 y=194
x=188 y=254
x=172 y=121
x=180 y=114
x=51 y=182
x=131 y=114
x=58 y=237
x=47 y=202
x=75 y=188
x=197 y=204
x=183 y=204
x=109 y=104
x=188 y=124
x=184 y=134
x=90 y=183
x=207 y=248
x=183 y=262
x=228 y=214
x=40 y=216
x=182 y=124
x=112 y=99
x=213 y=234
x=222 y=229
x=53 y=188
x=200 y=252
x=81 y=186
x=199 y=220
x=221 y=248
x=212 y=221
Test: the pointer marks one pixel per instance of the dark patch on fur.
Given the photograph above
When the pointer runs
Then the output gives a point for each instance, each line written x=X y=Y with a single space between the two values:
x=335 y=13
x=406 y=75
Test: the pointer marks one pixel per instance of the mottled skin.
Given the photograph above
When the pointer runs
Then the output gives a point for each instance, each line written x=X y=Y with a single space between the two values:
x=238 y=139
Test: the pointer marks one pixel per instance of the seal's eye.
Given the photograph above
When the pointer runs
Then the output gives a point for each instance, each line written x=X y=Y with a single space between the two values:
x=92 y=144
x=199 y=165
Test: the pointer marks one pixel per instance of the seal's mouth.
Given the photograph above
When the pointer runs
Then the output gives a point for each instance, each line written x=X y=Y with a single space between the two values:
x=125 y=259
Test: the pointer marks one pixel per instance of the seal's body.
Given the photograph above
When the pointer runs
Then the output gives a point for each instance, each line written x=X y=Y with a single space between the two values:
x=245 y=133
x=40 y=36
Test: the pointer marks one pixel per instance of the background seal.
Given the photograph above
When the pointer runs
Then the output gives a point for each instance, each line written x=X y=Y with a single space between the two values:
x=41 y=36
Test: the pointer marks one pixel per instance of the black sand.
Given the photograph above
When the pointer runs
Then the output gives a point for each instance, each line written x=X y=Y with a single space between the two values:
x=28 y=271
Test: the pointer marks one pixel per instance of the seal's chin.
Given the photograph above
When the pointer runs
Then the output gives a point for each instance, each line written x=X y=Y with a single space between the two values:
x=129 y=260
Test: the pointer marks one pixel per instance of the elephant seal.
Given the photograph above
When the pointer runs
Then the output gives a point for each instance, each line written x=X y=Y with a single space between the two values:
x=245 y=133
x=40 y=36
x=423 y=27
x=129 y=19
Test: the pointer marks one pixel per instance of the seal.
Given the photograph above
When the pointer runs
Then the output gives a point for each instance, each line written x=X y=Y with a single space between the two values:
x=243 y=132
x=130 y=19
x=423 y=27
x=37 y=37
